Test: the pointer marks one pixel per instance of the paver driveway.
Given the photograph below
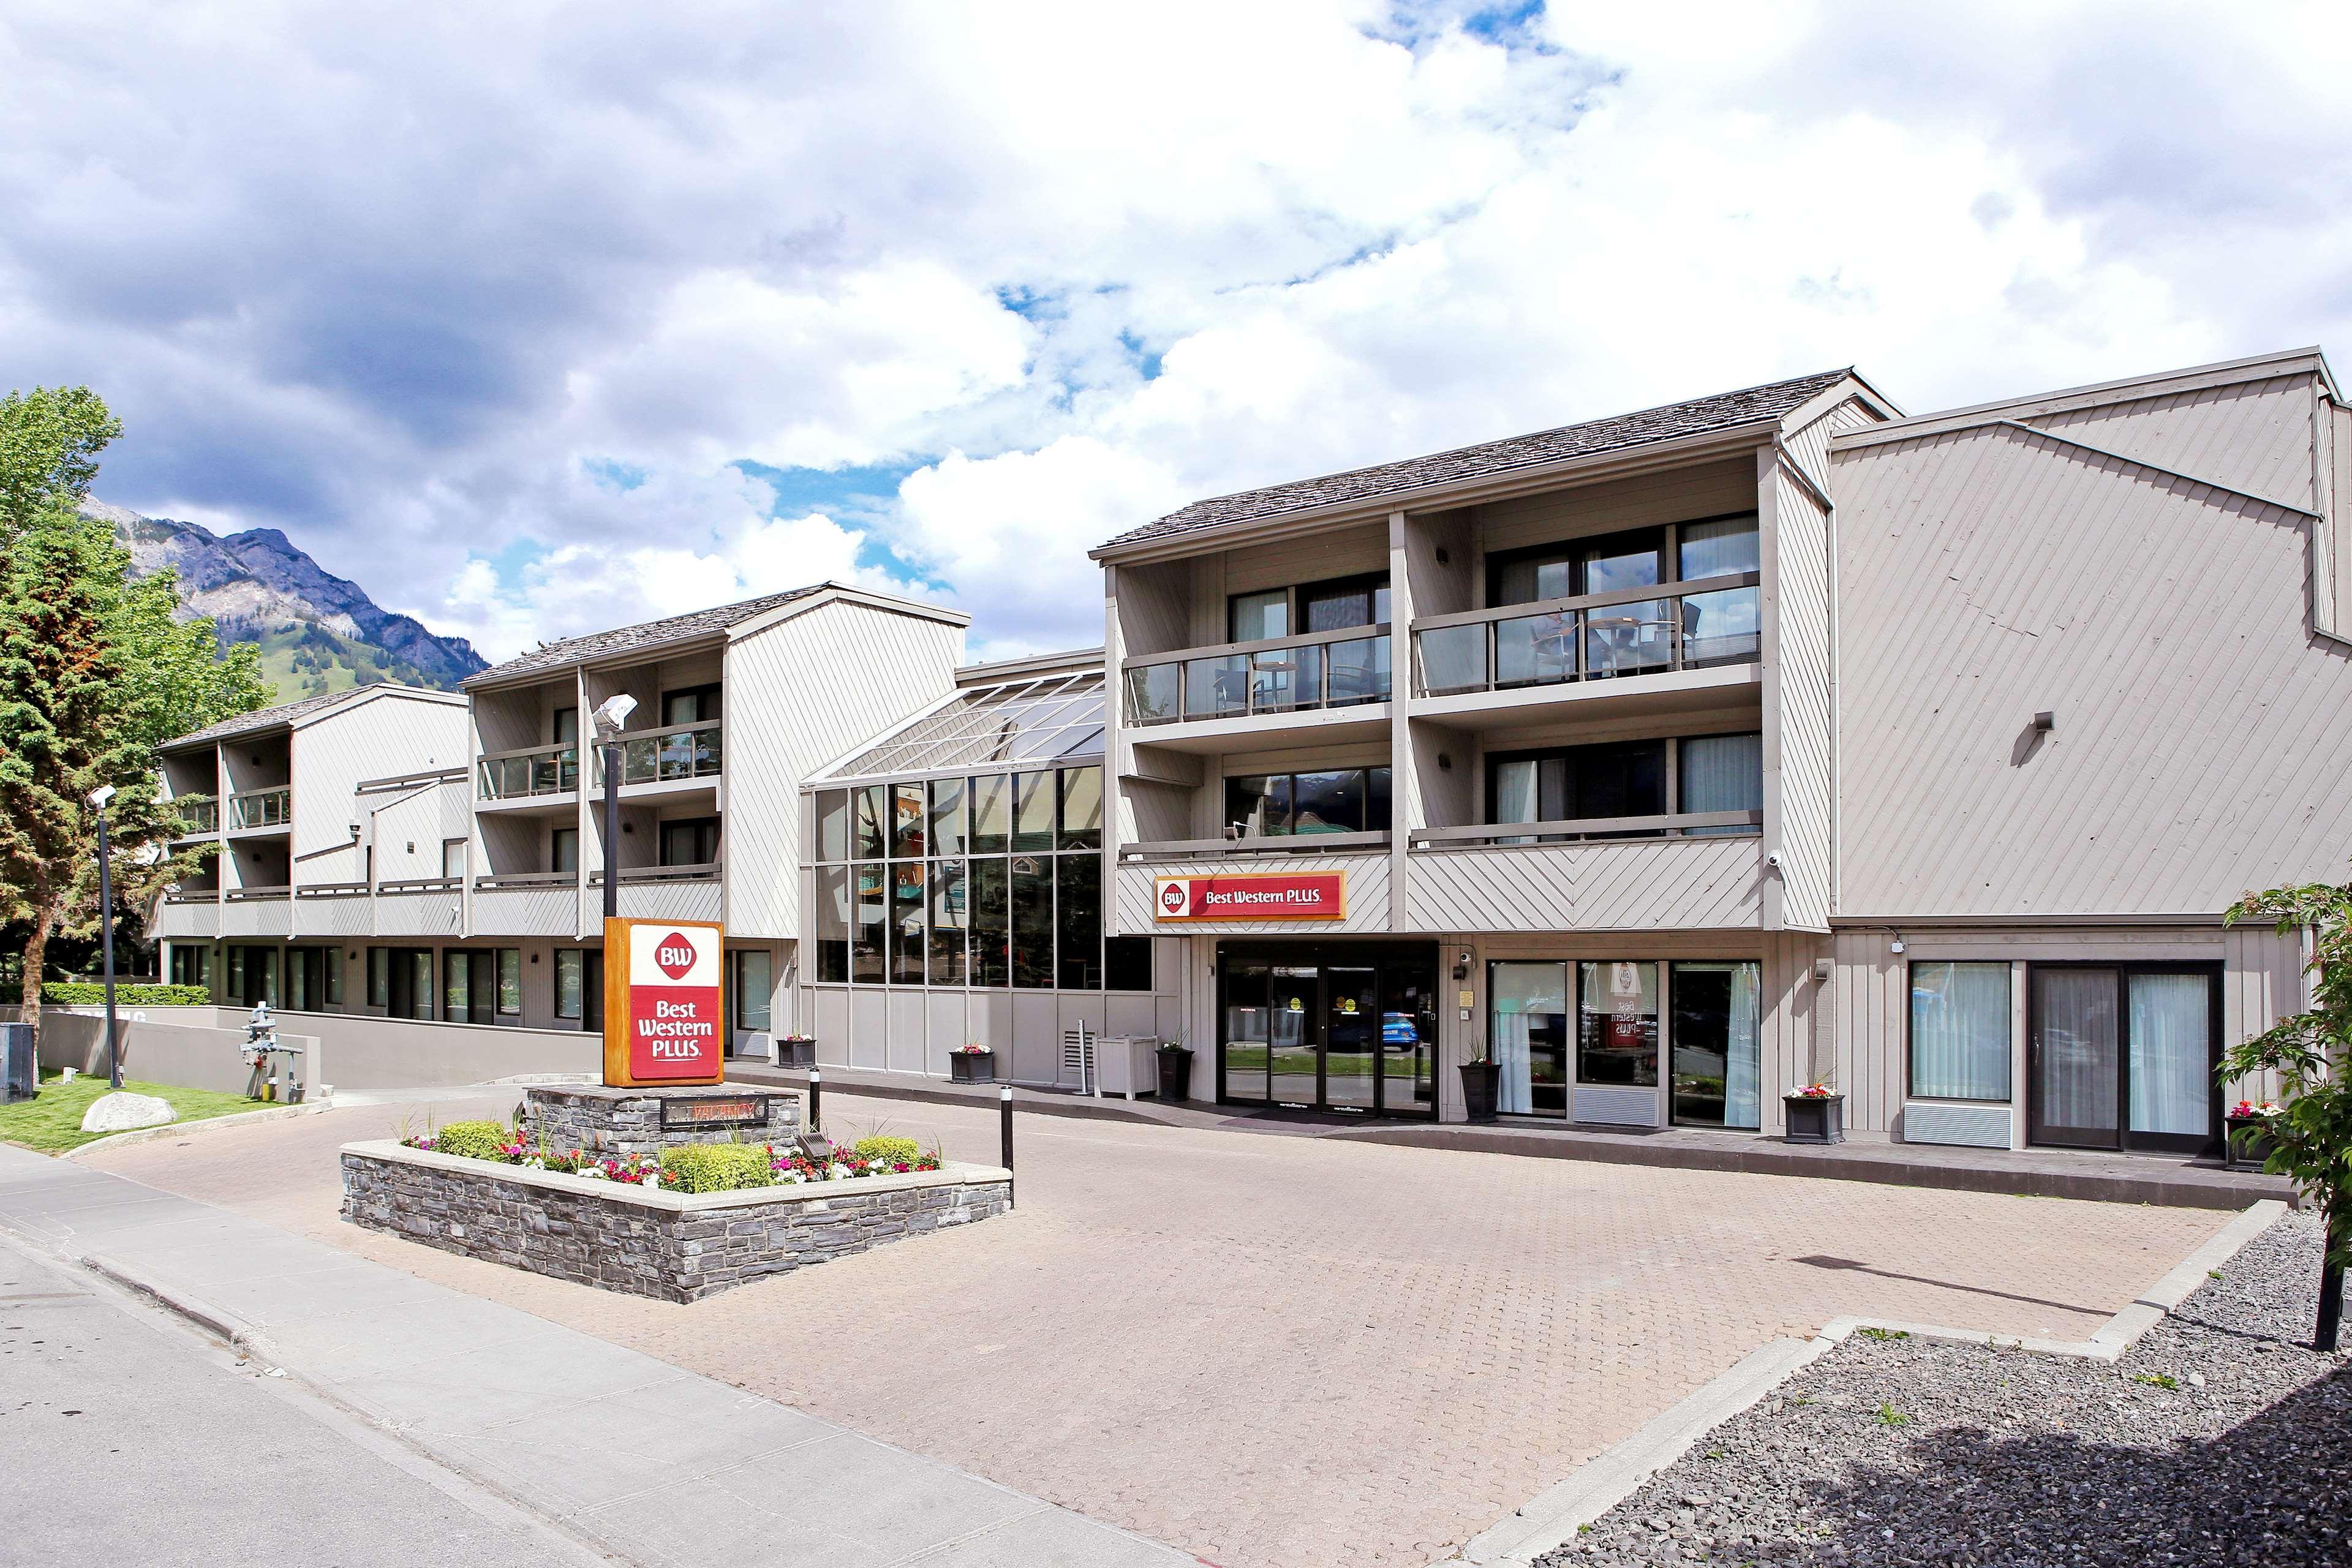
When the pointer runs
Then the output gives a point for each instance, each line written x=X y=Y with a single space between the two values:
x=1284 y=1352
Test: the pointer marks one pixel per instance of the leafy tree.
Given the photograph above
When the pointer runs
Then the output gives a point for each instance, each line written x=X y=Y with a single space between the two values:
x=94 y=672
x=2311 y=1053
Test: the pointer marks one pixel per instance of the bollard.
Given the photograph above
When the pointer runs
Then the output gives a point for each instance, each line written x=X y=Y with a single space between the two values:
x=1005 y=1108
x=816 y=1102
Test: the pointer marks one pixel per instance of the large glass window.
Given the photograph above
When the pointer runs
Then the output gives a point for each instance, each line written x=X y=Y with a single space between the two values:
x=1079 y=922
x=992 y=815
x=833 y=923
x=1722 y=773
x=1719 y=1061
x=1621 y=778
x=1719 y=627
x=690 y=841
x=833 y=825
x=510 y=982
x=1127 y=963
x=570 y=971
x=908 y=816
x=754 y=988
x=1082 y=808
x=946 y=823
x=1347 y=601
x=1617 y=1024
x=908 y=956
x=1959 y=1031
x=992 y=923
x=1032 y=812
x=1257 y=617
x=873 y=825
x=1033 y=921
x=867 y=951
x=950 y=920
x=563 y=849
x=1526 y=1022
x=1339 y=800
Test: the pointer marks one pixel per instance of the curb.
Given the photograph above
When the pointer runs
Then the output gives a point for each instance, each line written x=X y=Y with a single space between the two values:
x=174 y=1129
x=217 y=1321
x=1615 y=1473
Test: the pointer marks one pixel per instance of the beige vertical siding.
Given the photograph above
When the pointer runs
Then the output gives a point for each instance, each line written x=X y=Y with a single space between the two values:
x=2251 y=435
x=800 y=693
x=2264 y=979
x=1798 y=706
x=2201 y=744
x=1334 y=553
x=369 y=738
x=1667 y=884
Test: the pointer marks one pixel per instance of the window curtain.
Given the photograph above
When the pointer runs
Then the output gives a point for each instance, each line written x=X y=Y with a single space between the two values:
x=1959 y=1031
x=1519 y=992
x=1743 y=1080
x=1515 y=796
x=1723 y=772
x=2171 y=1052
x=2076 y=1020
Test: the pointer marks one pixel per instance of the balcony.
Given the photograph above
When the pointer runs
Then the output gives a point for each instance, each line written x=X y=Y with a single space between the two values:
x=678 y=755
x=530 y=772
x=527 y=903
x=257 y=912
x=199 y=815
x=1597 y=642
x=667 y=893
x=1687 y=871
x=1272 y=844
x=260 y=808
x=1208 y=698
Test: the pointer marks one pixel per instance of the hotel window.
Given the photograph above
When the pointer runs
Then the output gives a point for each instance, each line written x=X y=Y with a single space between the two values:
x=1617 y=1024
x=510 y=982
x=907 y=818
x=950 y=922
x=867 y=965
x=833 y=825
x=1575 y=567
x=907 y=944
x=189 y=964
x=1339 y=800
x=1331 y=605
x=1718 y=1035
x=379 y=966
x=1718 y=627
x=475 y=983
x=571 y=967
x=692 y=705
x=563 y=849
x=1621 y=778
x=873 y=827
x=833 y=923
x=754 y=972
x=1959 y=1031
x=1722 y=773
x=408 y=980
x=691 y=841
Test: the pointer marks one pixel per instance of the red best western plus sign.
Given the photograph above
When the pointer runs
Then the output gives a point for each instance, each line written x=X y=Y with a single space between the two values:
x=1254 y=896
x=674 y=1018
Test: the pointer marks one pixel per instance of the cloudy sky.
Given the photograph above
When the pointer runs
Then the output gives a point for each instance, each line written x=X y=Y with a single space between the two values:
x=534 y=318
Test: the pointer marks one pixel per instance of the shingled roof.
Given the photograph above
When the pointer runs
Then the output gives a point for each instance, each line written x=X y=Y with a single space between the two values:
x=262 y=719
x=1696 y=417
x=645 y=634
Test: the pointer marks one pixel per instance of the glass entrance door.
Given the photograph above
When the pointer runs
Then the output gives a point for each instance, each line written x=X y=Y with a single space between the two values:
x=1351 y=1036
x=2124 y=1057
x=1359 y=1033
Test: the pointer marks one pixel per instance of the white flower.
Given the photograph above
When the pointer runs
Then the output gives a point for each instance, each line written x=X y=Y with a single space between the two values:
x=593 y=1172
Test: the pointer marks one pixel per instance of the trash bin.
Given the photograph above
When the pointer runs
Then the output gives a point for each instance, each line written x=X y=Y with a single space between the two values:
x=1175 y=1074
x=23 y=1073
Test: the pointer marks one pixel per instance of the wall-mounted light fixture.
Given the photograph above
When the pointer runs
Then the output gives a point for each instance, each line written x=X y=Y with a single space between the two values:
x=1444 y=763
x=1443 y=558
x=2045 y=722
x=1461 y=964
x=1896 y=946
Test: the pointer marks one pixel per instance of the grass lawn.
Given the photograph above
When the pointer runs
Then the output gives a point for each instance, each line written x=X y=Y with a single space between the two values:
x=52 y=1124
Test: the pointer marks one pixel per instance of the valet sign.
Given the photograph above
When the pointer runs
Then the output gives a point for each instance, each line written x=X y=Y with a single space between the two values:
x=664 y=1021
x=1253 y=896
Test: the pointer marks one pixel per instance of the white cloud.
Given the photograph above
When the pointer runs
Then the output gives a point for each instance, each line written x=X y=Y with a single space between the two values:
x=482 y=306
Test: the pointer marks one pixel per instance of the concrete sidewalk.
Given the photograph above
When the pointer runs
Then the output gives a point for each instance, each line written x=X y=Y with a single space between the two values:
x=627 y=1454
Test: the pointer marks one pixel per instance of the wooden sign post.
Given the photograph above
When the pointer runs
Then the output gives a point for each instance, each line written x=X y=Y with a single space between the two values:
x=664 y=1014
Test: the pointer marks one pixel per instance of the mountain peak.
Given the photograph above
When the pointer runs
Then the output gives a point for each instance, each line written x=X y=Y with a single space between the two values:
x=316 y=632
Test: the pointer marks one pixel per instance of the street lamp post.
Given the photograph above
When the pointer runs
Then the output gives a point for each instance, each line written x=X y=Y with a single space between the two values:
x=98 y=797
x=610 y=719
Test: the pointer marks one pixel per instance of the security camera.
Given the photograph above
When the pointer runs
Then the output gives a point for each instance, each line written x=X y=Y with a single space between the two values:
x=1773 y=859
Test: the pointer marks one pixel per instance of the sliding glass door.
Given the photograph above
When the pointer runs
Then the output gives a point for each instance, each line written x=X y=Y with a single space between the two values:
x=1352 y=1029
x=2123 y=1057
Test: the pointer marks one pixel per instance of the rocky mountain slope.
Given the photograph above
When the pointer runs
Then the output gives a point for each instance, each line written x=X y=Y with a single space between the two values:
x=316 y=632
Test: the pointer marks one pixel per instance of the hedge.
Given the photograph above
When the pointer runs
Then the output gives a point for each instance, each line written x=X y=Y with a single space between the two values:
x=889 y=1150
x=716 y=1167
x=471 y=1139
x=92 y=993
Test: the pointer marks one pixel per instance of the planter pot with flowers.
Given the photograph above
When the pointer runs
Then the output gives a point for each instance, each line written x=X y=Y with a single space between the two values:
x=1815 y=1114
x=2248 y=1144
x=795 y=1051
x=972 y=1064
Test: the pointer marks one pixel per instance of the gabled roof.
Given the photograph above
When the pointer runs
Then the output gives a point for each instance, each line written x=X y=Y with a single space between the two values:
x=1724 y=411
x=283 y=716
x=597 y=646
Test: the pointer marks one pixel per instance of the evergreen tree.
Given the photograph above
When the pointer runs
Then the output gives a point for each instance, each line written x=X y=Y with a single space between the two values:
x=94 y=672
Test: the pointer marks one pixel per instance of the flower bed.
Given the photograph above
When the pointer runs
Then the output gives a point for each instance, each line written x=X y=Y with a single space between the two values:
x=692 y=1168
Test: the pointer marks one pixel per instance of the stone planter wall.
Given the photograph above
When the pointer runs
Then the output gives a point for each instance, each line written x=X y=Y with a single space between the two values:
x=677 y=1246
x=610 y=1124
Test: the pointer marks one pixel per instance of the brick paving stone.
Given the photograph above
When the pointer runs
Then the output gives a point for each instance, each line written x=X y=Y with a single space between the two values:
x=1284 y=1352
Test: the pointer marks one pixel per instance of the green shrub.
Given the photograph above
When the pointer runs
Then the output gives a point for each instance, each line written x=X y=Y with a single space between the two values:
x=92 y=993
x=715 y=1167
x=889 y=1150
x=471 y=1139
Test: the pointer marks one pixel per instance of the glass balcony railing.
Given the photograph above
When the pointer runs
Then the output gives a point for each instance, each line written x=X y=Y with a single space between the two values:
x=261 y=807
x=664 y=756
x=537 y=770
x=1687 y=625
x=199 y=814
x=1325 y=669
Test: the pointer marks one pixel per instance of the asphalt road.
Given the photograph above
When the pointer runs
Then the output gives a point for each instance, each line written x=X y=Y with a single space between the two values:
x=126 y=1437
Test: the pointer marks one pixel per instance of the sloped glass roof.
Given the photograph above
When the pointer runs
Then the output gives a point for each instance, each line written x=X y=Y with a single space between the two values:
x=1058 y=717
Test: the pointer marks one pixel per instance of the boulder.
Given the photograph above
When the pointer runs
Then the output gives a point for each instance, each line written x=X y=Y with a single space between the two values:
x=119 y=1113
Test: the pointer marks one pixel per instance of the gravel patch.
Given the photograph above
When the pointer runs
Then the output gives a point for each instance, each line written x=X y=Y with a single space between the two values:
x=2220 y=1438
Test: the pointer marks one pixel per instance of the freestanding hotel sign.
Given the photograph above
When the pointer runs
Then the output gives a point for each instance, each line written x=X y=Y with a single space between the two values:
x=664 y=1018
x=1253 y=896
